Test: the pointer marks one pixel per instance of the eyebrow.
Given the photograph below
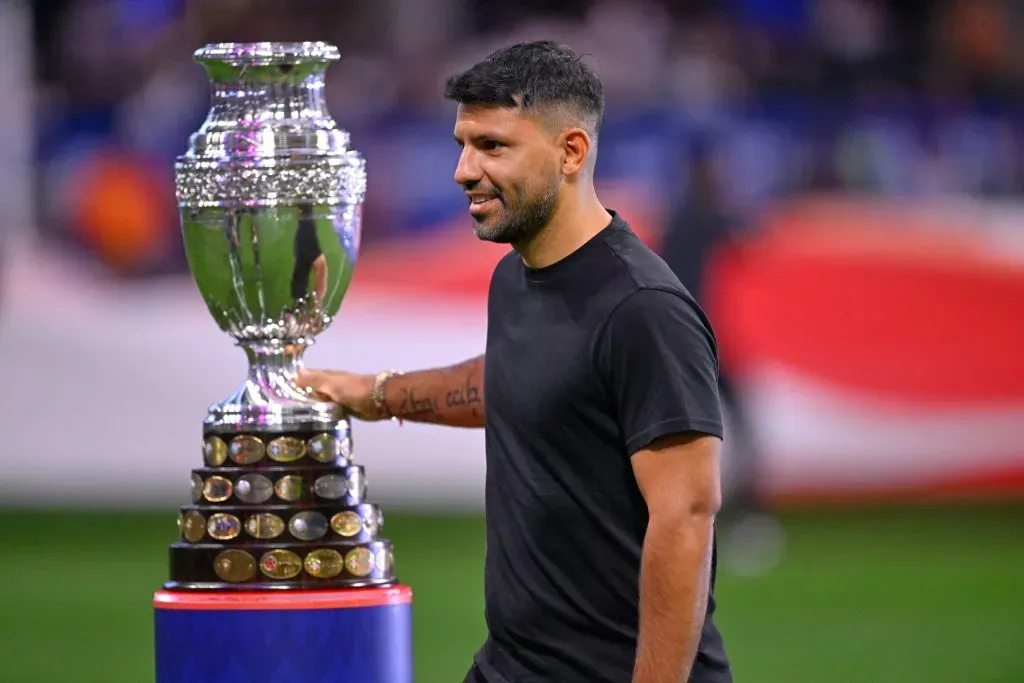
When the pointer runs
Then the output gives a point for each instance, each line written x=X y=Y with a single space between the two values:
x=482 y=136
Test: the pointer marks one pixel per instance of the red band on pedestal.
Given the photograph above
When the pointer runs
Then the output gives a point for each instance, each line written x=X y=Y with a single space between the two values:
x=290 y=600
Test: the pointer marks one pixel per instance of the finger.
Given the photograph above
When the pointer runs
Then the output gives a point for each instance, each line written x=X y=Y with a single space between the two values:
x=309 y=378
x=315 y=384
x=320 y=396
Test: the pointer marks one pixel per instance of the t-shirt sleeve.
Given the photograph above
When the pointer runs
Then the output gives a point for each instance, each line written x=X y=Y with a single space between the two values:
x=658 y=358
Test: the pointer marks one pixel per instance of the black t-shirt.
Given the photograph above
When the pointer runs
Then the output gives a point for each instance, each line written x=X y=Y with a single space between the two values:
x=588 y=361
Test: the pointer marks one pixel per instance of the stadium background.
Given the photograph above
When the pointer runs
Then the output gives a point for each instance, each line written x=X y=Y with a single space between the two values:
x=870 y=308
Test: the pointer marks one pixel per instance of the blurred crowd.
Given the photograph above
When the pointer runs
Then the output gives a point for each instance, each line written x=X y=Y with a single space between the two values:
x=700 y=55
x=907 y=97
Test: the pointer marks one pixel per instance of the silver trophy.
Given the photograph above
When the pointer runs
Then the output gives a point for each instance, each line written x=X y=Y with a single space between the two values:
x=270 y=193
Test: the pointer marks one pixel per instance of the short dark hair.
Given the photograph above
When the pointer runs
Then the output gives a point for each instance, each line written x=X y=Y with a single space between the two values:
x=530 y=76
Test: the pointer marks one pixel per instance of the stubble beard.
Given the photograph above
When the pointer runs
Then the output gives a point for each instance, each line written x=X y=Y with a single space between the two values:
x=521 y=221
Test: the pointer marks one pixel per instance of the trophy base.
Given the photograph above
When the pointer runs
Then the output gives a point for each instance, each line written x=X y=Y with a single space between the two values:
x=279 y=512
x=360 y=635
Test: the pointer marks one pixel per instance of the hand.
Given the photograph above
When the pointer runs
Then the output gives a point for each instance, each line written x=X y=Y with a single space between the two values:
x=353 y=392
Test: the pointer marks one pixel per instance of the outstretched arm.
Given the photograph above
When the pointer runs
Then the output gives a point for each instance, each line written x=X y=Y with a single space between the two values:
x=452 y=395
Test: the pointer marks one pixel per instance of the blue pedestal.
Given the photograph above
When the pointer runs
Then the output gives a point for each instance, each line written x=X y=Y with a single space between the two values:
x=362 y=635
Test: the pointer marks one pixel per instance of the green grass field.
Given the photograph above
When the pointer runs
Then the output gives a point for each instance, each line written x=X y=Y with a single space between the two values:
x=909 y=595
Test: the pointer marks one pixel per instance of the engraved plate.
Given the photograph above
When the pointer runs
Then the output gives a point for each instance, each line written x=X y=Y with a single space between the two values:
x=371 y=523
x=308 y=526
x=264 y=526
x=246 y=450
x=330 y=486
x=359 y=562
x=217 y=489
x=289 y=488
x=235 y=566
x=346 y=523
x=193 y=526
x=286 y=449
x=223 y=526
x=323 y=448
x=215 y=451
x=197 y=488
x=253 y=488
x=324 y=563
x=280 y=564
x=356 y=483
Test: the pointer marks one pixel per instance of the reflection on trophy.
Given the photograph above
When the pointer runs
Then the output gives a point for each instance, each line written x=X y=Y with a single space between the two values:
x=270 y=193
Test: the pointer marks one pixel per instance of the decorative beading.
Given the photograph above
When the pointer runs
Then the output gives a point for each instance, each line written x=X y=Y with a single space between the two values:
x=267 y=53
x=271 y=182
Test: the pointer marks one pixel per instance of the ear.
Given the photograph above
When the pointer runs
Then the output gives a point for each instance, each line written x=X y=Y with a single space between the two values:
x=575 y=145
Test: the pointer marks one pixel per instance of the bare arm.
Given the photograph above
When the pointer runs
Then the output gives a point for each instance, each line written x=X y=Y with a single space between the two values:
x=452 y=396
x=679 y=479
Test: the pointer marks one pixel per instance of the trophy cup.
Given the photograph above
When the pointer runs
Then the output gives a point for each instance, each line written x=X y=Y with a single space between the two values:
x=270 y=195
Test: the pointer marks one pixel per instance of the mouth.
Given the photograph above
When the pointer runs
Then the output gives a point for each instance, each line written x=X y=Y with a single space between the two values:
x=482 y=204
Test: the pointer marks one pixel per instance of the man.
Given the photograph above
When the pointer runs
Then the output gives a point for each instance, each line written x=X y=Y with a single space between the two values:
x=598 y=394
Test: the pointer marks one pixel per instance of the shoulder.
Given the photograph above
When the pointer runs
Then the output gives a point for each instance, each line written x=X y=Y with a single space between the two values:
x=645 y=268
x=667 y=313
x=653 y=292
x=658 y=360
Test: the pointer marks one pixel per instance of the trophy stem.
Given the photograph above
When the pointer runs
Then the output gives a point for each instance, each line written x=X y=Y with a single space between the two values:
x=275 y=364
x=271 y=398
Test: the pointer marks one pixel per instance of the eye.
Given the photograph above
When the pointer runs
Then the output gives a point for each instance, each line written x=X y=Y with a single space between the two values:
x=491 y=145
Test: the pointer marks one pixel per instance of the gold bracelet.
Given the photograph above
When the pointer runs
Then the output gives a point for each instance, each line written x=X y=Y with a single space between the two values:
x=377 y=392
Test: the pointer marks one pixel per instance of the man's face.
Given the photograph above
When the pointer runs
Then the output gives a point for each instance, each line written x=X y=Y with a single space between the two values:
x=509 y=168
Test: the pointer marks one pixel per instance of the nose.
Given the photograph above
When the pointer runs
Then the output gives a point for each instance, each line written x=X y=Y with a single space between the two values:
x=467 y=171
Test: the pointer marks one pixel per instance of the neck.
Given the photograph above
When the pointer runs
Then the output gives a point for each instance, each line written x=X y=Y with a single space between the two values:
x=574 y=223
